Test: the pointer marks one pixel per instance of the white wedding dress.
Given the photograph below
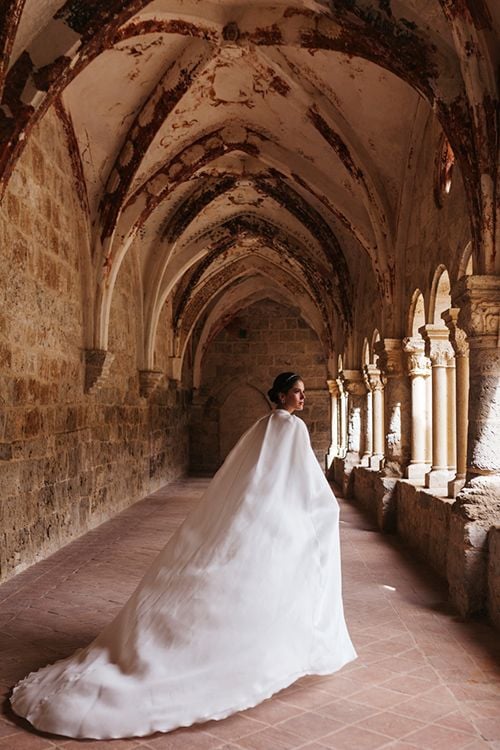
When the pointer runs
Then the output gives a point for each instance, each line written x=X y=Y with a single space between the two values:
x=243 y=600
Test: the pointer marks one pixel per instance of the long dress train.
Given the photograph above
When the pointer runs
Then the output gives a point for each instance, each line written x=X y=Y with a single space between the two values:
x=243 y=600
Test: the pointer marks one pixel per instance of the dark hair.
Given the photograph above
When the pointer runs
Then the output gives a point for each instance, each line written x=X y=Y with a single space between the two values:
x=282 y=383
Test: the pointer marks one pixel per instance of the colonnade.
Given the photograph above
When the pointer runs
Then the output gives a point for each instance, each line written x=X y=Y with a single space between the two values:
x=408 y=411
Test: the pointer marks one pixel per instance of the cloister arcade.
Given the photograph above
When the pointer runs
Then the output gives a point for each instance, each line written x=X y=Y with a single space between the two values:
x=196 y=196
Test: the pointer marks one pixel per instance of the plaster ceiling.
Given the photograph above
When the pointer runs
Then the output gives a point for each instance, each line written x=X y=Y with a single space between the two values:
x=225 y=125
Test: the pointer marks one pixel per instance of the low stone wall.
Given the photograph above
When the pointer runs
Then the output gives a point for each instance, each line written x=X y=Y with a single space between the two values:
x=423 y=522
x=427 y=524
x=494 y=575
x=377 y=495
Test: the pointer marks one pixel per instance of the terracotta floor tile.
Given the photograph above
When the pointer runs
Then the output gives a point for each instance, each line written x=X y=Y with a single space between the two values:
x=489 y=728
x=346 y=711
x=272 y=711
x=233 y=727
x=307 y=697
x=391 y=724
x=434 y=737
x=311 y=725
x=272 y=738
x=419 y=669
x=25 y=742
x=190 y=738
x=355 y=738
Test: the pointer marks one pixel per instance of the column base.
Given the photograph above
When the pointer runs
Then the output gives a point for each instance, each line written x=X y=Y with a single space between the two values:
x=437 y=479
x=455 y=485
x=376 y=462
x=417 y=472
x=365 y=460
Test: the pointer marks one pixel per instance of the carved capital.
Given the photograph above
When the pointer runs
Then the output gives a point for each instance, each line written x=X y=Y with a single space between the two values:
x=149 y=380
x=333 y=388
x=390 y=354
x=373 y=378
x=417 y=362
x=97 y=366
x=437 y=344
x=458 y=337
x=353 y=382
x=478 y=298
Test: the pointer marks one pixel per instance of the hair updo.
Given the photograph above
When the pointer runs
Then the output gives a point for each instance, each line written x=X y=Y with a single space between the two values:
x=282 y=383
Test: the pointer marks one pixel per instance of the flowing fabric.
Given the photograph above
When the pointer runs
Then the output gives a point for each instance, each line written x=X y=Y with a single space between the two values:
x=243 y=600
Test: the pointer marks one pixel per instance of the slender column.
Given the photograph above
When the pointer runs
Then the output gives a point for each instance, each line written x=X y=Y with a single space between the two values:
x=355 y=387
x=342 y=423
x=367 y=429
x=373 y=381
x=477 y=508
x=396 y=406
x=439 y=350
x=461 y=348
x=452 y=414
x=334 y=422
x=419 y=372
x=428 y=419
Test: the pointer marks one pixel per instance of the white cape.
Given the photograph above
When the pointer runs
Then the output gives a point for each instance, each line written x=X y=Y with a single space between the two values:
x=243 y=600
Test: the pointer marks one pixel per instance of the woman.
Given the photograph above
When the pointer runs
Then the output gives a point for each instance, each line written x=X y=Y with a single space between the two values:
x=243 y=600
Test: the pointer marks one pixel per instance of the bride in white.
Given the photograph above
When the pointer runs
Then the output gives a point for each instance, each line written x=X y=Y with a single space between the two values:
x=243 y=600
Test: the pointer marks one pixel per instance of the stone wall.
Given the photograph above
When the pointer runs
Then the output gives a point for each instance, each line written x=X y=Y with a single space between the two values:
x=421 y=519
x=67 y=460
x=494 y=575
x=239 y=367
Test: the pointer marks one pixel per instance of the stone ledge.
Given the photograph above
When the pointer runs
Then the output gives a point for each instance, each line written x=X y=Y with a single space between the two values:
x=427 y=522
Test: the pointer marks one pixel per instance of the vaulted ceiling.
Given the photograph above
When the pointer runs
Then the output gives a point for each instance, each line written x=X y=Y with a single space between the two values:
x=243 y=147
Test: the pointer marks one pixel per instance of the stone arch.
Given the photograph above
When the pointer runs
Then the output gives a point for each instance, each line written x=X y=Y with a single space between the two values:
x=440 y=297
x=365 y=352
x=466 y=265
x=375 y=338
x=416 y=314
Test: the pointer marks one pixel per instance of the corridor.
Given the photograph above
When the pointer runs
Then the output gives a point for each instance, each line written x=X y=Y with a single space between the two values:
x=423 y=678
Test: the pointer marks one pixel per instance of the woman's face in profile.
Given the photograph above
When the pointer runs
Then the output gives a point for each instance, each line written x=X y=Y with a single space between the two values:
x=294 y=397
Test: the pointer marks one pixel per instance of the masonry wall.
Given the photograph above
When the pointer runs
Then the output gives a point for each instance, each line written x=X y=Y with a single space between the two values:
x=68 y=460
x=494 y=575
x=238 y=369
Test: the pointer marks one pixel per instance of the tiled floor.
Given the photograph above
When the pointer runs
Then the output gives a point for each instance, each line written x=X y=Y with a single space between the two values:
x=423 y=678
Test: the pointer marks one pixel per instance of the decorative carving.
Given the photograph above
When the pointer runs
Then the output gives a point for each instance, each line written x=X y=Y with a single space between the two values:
x=418 y=363
x=390 y=356
x=478 y=300
x=333 y=388
x=437 y=344
x=149 y=381
x=458 y=336
x=353 y=382
x=373 y=378
x=97 y=366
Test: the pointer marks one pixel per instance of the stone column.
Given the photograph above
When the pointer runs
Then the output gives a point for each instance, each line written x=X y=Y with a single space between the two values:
x=342 y=405
x=477 y=507
x=373 y=381
x=461 y=348
x=452 y=414
x=419 y=371
x=367 y=429
x=438 y=348
x=334 y=422
x=396 y=406
x=428 y=420
x=356 y=390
